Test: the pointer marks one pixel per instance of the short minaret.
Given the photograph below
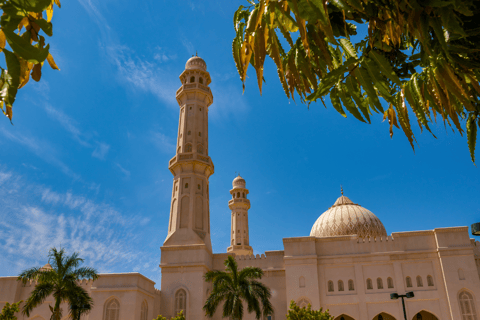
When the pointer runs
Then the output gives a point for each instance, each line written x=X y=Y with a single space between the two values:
x=191 y=166
x=239 y=238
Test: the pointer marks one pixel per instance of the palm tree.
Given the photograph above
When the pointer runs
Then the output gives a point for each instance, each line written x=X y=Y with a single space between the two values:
x=235 y=288
x=59 y=277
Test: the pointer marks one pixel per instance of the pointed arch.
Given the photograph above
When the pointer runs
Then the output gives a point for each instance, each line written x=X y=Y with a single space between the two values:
x=344 y=316
x=340 y=285
x=384 y=316
x=389 y=282
x=419 y=281
x=330 y=286
x=369 y=284
x=181 y=301
x=144 y=310
x=408 y=282
x=304 y=302
x=430 y=281
x=111 y=309
x=379 y=283
x=467 y=305
x=351 y=285
x=424 y=315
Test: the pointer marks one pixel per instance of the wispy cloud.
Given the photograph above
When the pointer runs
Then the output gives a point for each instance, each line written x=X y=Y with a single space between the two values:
x=34 y=218
x=123 y=170
x=67 y=123
x=162 y=142
x=41 y=149
x=140 y=74
x=101 y=150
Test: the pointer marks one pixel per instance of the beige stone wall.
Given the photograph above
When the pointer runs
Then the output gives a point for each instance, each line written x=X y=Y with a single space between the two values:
x=130 y=289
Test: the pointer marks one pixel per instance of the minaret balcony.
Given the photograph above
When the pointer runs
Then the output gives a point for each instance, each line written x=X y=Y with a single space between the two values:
x=192 y=158
x=194 y=87
x=239 y=202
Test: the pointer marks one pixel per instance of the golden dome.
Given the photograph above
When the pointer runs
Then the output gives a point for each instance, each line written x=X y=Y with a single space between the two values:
x=196 y=62
x=238 y=182
x=347 y=218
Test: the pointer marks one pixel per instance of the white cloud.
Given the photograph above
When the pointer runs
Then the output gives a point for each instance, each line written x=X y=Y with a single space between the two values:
x=101 y=150
x=34 y=219
x=40 y=148
x=123 y=170
x=141 y=74
x=162 y=142
x=67 y=123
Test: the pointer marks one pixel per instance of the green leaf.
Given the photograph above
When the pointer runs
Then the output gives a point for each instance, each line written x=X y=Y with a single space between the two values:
x=348 y=102
x=356 y=94
x=45 y=26
x=286 y=20
x=24 y=49
x=385 y=66
x=32 y=5
x=11 y=17
x=348 y=47
x=471 y=135
x=366 y=82
x=252 y=20
x=336 y=102
x=437 y=27
x=331 y=79
x=11 y=77
x=378 y=81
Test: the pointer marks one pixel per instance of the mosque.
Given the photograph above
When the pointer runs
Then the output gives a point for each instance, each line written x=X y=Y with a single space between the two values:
x=348 y=264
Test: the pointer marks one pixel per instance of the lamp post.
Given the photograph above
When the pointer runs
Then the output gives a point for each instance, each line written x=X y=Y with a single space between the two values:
x=395 y=296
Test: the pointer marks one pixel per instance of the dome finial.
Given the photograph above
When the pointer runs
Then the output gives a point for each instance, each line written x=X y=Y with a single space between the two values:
x=341 y=189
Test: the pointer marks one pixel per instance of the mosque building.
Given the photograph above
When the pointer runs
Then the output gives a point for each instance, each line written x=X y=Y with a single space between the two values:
x=348 y=264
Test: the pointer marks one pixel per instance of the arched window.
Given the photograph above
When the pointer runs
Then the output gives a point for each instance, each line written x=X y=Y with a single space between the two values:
x=340 y=285
x=369 y=284
x=390 y=282
x=330 y=286
x=234 y=195
x=199 y=134
x=467 y=306
x=351 y=286
x=238 y=194
x=200 y=149
x=188 y=148
x=430 y=281
x=244 y=195
x=303 y=303
x=180 y=302
x=301 y=282
x=379 y=283
x=200 y=80
x=408 y=280
x=419 y=281
x=192 y=79
x=186 y=185
x=112 y=310
x=144 y=312
x=461 y=275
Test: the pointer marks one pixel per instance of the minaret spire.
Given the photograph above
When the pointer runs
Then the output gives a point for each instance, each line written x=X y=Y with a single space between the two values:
x=239 y=234
x=191 y=167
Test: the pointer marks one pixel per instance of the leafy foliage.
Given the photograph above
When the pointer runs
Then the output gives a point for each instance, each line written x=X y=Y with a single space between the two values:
x=61 y=280
x=8 y=311
x=306 y=313
x=21 y=25
x=421 y=54
x=236 y=287
x=179 y=316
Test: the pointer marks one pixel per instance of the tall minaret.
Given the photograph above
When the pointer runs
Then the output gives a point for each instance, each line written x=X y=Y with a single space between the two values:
x=239 y=239
x=191 y=167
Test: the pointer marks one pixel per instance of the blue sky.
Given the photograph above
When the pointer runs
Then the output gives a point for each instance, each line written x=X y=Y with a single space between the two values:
x=85 y=164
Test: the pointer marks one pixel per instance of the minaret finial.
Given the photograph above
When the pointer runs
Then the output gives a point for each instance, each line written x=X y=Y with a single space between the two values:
x=341 y=189
x=196 y=53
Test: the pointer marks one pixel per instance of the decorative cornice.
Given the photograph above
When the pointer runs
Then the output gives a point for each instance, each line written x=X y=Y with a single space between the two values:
x=336 y=238
x=451 y=229
x=298 y=239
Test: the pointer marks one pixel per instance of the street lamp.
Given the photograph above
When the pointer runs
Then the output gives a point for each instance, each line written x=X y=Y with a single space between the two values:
x=395 y=296
x=475 y=229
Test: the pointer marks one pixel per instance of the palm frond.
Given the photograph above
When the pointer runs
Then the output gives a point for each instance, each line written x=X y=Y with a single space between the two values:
x=29 y=274
x=37 y=296
x=86 y=273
